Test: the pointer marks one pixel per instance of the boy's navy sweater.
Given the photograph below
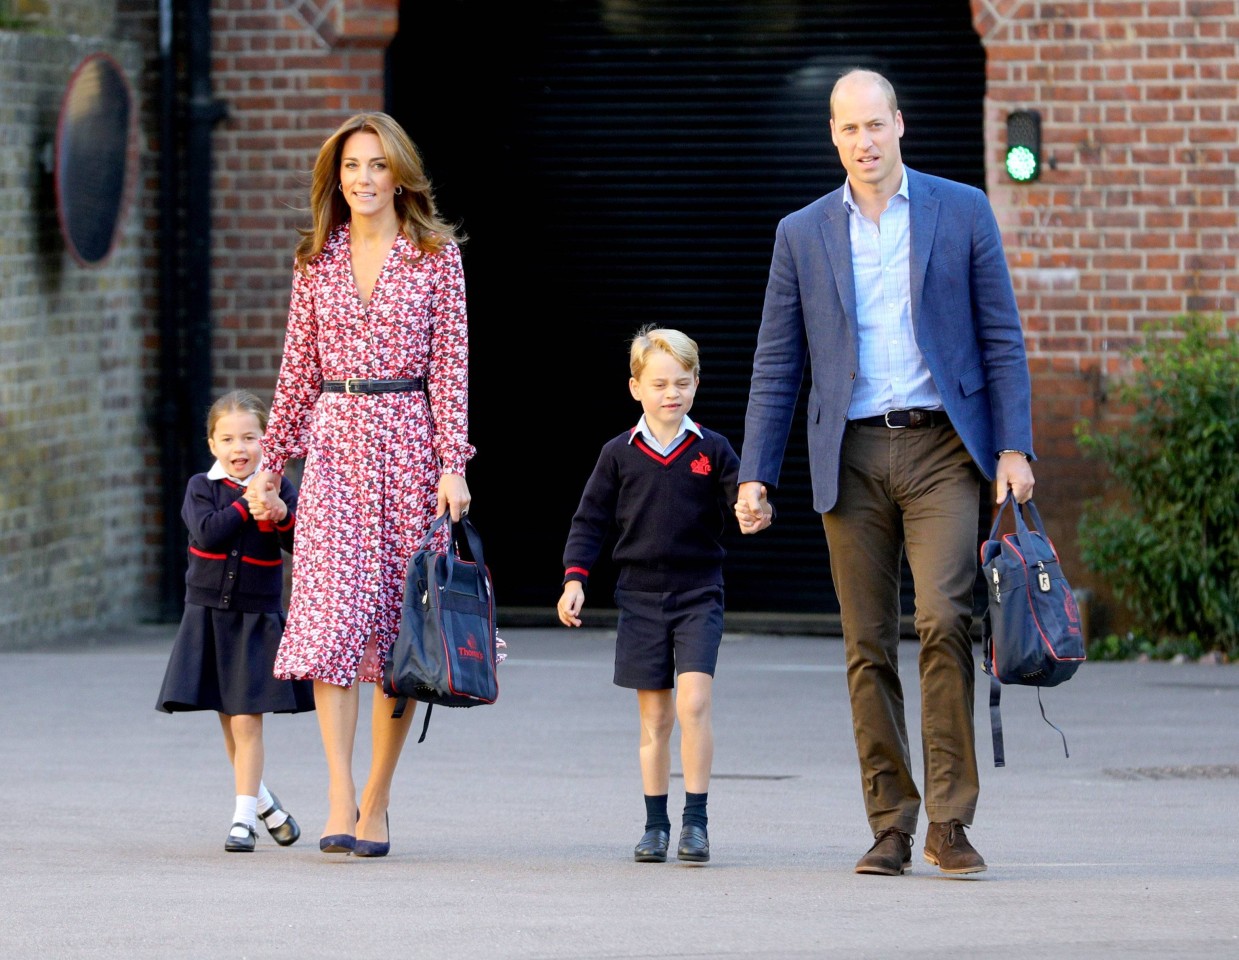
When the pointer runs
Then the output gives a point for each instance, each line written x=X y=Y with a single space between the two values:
x=233 y=563
x=668 y=512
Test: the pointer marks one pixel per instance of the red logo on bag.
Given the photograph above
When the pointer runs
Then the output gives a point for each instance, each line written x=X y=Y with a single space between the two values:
x=470 y=652
x=1072 y=611
x=701 y=465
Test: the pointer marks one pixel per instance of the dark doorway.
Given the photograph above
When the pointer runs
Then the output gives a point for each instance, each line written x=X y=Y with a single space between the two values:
x=621 y=163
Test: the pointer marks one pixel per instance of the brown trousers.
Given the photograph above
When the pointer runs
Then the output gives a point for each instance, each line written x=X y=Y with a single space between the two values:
x=916 y=490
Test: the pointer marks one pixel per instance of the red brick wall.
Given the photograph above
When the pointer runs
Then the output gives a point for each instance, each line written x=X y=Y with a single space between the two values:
x=1134 y=217
x=289 y=71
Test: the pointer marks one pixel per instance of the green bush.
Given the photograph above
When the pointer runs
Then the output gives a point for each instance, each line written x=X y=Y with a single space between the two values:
x=1167 y=542
x=1132 y=646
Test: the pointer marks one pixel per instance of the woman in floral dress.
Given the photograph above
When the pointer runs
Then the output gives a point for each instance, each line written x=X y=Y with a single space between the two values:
x=373 y=393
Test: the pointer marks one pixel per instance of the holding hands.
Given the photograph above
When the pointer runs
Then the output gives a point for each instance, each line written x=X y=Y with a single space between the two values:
x=753 y=510
x=262 y=496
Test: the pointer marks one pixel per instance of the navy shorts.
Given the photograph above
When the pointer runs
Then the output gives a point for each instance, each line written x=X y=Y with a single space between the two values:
x=662 y=634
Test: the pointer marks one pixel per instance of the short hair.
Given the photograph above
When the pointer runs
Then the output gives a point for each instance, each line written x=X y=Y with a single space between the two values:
x=883 y=84
x=236 y=401
x=651 y=337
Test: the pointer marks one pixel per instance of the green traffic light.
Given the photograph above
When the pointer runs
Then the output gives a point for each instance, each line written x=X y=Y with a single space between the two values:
x=1022 y=164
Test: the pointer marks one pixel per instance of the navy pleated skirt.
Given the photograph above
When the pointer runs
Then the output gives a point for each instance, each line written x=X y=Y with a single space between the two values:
x=222 y=660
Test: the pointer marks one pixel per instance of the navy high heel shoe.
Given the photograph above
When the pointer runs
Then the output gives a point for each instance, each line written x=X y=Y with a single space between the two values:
x=374 y=848
x=339 y=842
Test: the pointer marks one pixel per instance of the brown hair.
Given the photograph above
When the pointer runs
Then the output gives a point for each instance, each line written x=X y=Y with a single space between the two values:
x=652 y=337
x=415 y=206
x=237 y=401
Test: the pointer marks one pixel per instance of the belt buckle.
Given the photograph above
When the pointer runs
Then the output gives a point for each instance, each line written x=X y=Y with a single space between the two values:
x=348 y=385
x=886 y=417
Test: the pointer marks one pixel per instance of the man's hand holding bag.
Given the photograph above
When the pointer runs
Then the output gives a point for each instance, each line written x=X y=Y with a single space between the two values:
x=1030 y=633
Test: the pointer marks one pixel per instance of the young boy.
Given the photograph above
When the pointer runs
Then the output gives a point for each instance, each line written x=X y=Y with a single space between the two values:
x=668 y=487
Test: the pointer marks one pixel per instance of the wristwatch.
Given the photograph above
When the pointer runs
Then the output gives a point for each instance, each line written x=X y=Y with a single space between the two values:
x=1020 y=452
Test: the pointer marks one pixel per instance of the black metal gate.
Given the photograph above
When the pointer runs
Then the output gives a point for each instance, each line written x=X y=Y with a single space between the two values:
x=621 y=163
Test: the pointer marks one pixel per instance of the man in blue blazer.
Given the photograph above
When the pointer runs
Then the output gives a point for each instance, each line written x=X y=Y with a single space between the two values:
x=894 y=290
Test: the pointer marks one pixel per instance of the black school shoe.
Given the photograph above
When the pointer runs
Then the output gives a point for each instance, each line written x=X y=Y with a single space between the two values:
x=694 y=844
x=287 y=833
x=652 y=847
x=243 y=844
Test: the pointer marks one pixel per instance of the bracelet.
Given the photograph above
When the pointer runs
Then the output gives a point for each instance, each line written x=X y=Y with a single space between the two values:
x=1020 y=452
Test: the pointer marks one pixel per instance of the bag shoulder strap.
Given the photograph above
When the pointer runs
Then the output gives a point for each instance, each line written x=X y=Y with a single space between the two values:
x=398 y=712
x=995 y=722
x=426 y=722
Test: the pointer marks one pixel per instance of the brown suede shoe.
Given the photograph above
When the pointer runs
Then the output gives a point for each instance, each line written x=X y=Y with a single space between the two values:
x=947 y=848
x=890 y=855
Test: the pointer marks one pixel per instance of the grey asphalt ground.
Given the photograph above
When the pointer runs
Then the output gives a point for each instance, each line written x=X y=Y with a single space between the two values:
x=512 y=825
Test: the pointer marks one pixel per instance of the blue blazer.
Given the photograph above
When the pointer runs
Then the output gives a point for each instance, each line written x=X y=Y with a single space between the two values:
x=963 y=311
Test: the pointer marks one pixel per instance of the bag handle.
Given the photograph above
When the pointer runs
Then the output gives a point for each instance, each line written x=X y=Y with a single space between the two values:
x=1022 y=531
x=463 y=529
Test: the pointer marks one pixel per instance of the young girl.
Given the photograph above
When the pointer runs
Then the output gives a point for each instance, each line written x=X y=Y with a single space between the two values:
x=223 y=654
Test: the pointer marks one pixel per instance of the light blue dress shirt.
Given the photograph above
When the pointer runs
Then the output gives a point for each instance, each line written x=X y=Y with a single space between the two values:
x=643 y=428
x=893 y=375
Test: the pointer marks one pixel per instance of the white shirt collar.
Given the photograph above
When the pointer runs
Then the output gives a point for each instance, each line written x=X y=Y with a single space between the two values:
x=643 y=428
x=217 y=472
x=851 y=206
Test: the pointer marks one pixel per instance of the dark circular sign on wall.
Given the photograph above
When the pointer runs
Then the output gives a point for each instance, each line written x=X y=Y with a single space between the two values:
x=92 y=157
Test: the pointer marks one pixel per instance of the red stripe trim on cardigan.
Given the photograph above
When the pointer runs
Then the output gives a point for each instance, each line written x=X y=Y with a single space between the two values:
x=286 y=526
x=241 y=508
x=262 y=563
x=581 y=570
x=208 y=556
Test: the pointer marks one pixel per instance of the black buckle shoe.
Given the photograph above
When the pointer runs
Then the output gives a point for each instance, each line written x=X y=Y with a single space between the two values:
x=243 y=844
x=287 y=833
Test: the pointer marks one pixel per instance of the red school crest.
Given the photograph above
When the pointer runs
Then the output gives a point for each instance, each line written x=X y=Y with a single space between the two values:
x=701 y=465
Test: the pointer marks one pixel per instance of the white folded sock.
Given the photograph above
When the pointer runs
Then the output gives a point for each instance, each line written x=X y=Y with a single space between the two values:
x=246 y=812
x=265 y=803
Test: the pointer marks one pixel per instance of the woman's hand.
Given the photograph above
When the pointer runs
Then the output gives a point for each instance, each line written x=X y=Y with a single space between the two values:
x=453 y=495
x=262 y=495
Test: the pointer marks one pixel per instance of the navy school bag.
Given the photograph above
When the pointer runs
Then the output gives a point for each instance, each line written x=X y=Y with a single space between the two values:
x=1030 y=631
x=445 y=650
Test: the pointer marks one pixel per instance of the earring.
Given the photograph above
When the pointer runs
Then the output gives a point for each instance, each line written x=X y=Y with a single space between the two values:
x=399 y=190
x=340 y=187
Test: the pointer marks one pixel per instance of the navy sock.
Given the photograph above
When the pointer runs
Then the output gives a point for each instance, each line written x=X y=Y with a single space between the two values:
x=656 y=813
x=695 y=809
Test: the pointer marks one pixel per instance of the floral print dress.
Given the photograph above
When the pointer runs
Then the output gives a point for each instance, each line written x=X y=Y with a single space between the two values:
x=372 y=461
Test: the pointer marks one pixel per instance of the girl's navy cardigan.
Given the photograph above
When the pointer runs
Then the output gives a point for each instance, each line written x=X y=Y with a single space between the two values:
x=234 y=562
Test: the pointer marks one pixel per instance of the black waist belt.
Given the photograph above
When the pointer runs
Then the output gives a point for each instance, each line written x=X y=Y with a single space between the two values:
x=905 y=419
x=361 y=385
